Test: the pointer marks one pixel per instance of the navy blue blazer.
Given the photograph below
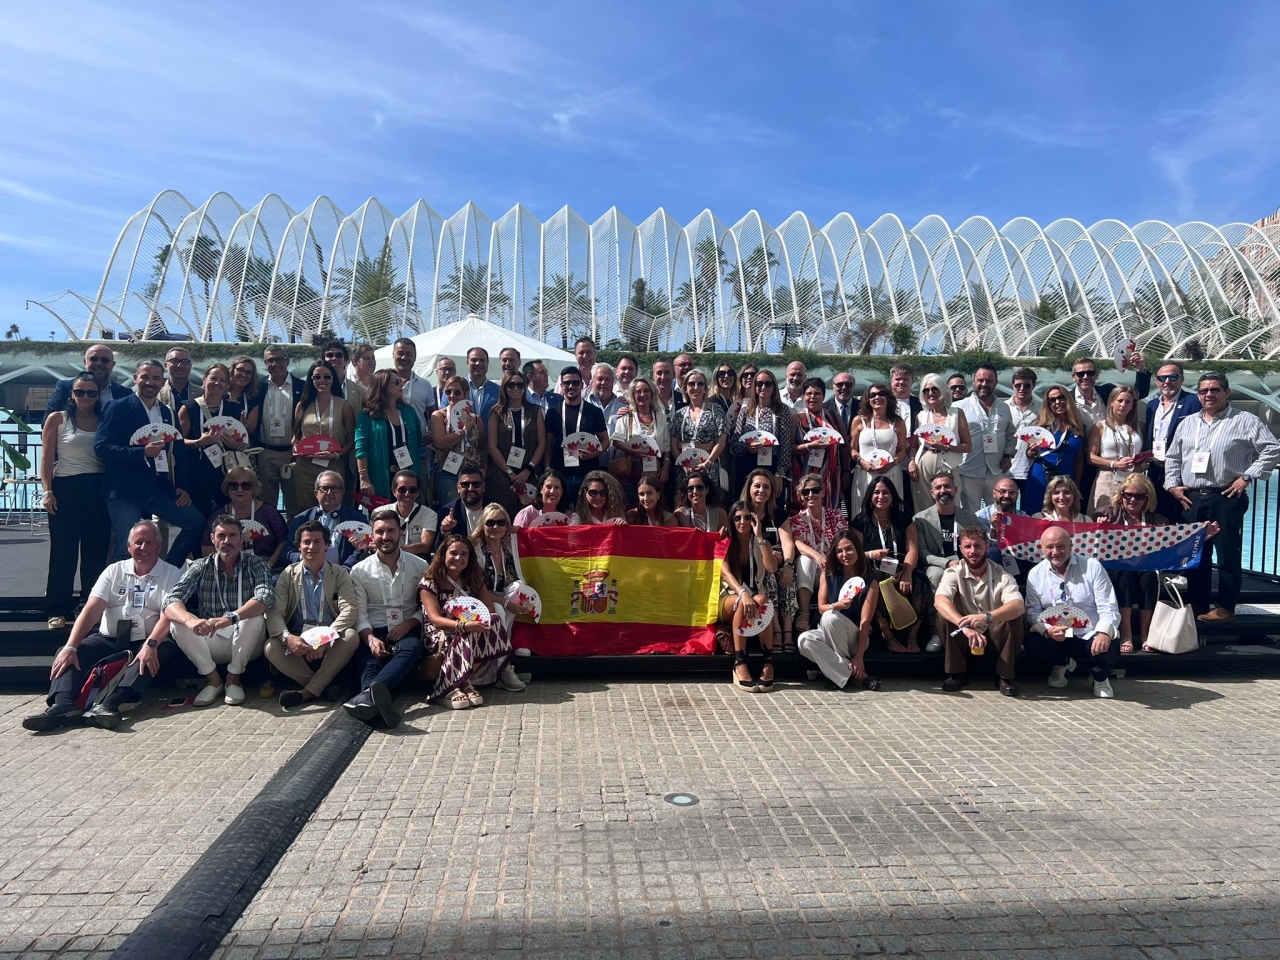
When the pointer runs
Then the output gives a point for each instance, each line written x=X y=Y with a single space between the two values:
x=1187 y=404
x=348 y=555
x=129 y=473
x=298 y=386
x=1141 y=385
x=62 y=393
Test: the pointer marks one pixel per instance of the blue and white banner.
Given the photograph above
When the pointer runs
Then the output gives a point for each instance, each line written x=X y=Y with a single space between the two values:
x=1174 y=546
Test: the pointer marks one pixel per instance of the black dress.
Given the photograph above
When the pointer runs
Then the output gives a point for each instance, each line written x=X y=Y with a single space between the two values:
x=204 y=479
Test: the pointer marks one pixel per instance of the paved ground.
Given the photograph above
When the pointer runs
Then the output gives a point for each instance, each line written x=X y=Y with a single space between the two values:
x=906 y=822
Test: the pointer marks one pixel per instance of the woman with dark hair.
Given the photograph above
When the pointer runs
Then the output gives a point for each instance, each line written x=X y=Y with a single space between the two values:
x=320 y=412
x=813 y=458
x=548 y=499
x=746 y=565
x=889 y=538
x=455 y=440
x=517 y=442
x=264 y=528
x=877 y=441
x=387 y=435
x=71 y=477
x=649 y=511
x=245 y=389
x=780 y=583
x=764 y=412
x=472 y=652
x=206 y=450
x=698 y=504
x=839 y=644
x=600 y=499
x=1060 y=416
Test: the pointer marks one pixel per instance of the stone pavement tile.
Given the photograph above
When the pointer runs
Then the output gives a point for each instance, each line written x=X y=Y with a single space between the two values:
x=96 y=826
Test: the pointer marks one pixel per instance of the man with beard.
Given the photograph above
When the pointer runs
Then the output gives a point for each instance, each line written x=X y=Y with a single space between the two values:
x=664 y=372
x=1004 y=503
x=994 y=442
x=417 y=391
x=144 y=481
x=979 y=607
x=219 y=611
x=565 y=419
x=936 y=530
x=484 y=392
x=793 y=395
x=602 y=394
x=330 y=510
x=388 y=619
x=462 y=516
x=509 y=360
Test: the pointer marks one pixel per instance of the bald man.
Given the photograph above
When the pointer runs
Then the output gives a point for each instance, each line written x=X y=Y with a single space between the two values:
x=1064 y=576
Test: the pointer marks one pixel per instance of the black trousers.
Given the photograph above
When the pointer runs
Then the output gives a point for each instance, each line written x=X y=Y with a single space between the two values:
x=1166 y=504
x=93 y=649
x=79 y=535
x=1227 y=548
x=1080 y=649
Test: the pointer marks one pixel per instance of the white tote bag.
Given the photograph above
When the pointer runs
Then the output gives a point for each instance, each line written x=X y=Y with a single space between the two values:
x=1173 y=628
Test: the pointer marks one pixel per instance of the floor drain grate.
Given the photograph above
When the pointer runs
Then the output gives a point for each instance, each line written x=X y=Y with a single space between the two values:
x=681 y=799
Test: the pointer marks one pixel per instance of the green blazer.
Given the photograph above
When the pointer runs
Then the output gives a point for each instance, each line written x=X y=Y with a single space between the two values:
x=373 y=443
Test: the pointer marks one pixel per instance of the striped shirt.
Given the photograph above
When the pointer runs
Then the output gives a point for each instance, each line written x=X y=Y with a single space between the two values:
x=1238 y=443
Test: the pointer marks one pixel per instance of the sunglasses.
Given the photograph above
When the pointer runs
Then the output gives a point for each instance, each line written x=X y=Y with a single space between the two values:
x=1168 y=377
x=322 y=378
x=242 y=485
x=275 y=361
x=811 y=492
x=1058 y=399
x=696 y=487
x=595 y=493
x=334 y=356
x=1021 y=385
x=571 y=384
x=329 y=488
x=514 y=385
x=747 y=376
x=411 y=491
x=1084 y=374
x=724 y=373
x=844 y=386
x=495 y=523
x=1133 y=496
x=764 y=385
x=470 y=484
x=928 y=390
x=1206 y=391
x=453 y=393
x=84 y=393
x=100 y=361
x=744 y=518
x=875 y=396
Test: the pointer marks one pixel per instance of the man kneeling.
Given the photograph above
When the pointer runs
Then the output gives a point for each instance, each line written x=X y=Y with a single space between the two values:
x=979 y=608
x=218 y=610
x=124 y=607
x=313 y=592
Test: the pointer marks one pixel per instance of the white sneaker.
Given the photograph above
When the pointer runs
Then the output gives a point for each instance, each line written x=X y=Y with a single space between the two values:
x=235 y=694
x=1103 y=690
x=523 y=652
x=508 y=680
x=208 y=695
x=1058 y=677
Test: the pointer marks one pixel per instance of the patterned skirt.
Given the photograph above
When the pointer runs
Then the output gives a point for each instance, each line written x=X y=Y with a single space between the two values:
x=475 y=658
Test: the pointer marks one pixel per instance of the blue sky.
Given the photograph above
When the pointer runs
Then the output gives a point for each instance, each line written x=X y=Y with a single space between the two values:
x=1087 y=110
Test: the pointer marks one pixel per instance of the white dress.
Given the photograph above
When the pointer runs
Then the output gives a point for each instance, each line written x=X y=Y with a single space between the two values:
x=870 y=442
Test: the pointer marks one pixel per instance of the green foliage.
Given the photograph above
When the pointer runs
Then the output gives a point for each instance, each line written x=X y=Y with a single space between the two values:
x=8 y=451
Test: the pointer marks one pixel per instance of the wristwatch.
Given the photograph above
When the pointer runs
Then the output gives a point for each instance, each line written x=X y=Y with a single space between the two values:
x=152 y=644
x=233 y=616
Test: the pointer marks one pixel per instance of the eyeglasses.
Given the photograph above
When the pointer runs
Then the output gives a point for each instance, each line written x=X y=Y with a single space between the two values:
x=764 y=385
x=571 y=384
x=1058 y=399
x=691 y=383
x=1133 y=496
x=495 y=523
x=242 y=485
x=1022 y=385
x=470 y=484
x=1168 y=377
x=747 y=376
x=928 y=390
x=409 y=491
x=1084 y=374
x=322 y=378
x=596 y=492
x=329 y=488
x=515 y=385
x=696 y=487
x=99 y=361
x=273 y=361
x=84 y=393
x=453 y=393
x=875 y=396
x=174 y=361
x=1206 y=391
x=844 y=386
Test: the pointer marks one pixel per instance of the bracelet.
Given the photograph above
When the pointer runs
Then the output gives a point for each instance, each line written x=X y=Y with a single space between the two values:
x=68 y=646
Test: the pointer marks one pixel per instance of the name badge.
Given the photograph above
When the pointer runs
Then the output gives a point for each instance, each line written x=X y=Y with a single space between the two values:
x=764 y=458
x=570 y=459
x=1200 y=462
x=649 y=464
x=137 y=596
x=452 y=462
x=213 y=453
x=1157 y=449
x=989 y=443
x=515 y=458
x=394 y=616
x=135 y=629
x=277 y=426
x=308 y=624
x=320 y=461
x=816 y=458
x=403 y=459
x=162 y=462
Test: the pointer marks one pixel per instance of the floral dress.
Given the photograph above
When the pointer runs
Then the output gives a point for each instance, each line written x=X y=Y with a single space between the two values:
x=705 y=431
x=475 y=658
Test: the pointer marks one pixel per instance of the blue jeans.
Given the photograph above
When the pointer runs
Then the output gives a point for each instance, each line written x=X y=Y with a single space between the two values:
x=125 y=513
x=393 y=671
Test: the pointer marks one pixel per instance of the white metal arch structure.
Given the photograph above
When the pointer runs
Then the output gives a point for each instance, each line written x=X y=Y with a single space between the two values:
x=223 y=272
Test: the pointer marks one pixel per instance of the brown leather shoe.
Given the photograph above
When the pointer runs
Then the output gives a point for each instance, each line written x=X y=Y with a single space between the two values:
x=1217 y=615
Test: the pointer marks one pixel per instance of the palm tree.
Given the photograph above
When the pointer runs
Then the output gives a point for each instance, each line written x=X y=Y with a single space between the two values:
x=470 y=289
x=371 y=292
x=563 y=305
x=696 y=297
x=749 y=285
x=645 y=318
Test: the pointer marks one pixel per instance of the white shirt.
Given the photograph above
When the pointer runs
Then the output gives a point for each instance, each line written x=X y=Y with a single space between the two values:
x=1090 y=413
x=421 y=520
x=473 y=518
x=277 y=407
x=115 y=586
x=997 y=421
x=377 y=590
x=419 y=394
x=1086 y=585
x=1021 y=465
x=797 y=403
x=153 y=412
x=1165 y=410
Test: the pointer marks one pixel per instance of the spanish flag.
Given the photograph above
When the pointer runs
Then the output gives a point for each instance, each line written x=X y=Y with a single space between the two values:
x=613 y=590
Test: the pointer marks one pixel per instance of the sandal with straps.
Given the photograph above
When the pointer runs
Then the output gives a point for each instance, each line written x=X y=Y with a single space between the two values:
x=763 y=685
x=746 y=686
x=459 y=700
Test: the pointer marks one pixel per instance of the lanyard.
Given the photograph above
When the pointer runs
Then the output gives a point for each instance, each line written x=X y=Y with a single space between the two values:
x=751 y=563
x=326 y=424
x=397 y=435
x=516 y=425
x=407 y=522
x=222 y=594
x=891 y=543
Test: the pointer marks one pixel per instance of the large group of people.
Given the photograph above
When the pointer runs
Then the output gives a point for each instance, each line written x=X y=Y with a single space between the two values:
x=254 y=481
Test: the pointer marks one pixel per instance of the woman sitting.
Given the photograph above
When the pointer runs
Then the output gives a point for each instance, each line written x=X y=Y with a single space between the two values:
x=889 y=538
x=264 y=528
x=1062 y=502
x=600 y=499
x=749 y=561
x=419 y=524
x=457 y=443
x=472 y=652
x=495 y=542
x=547 y=500
x=813 y=529
x=650 y=512
x=697 y=504
x=780 y=583
x=839 y=644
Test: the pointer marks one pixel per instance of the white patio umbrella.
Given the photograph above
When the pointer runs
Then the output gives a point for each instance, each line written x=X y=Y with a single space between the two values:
x=455 y=339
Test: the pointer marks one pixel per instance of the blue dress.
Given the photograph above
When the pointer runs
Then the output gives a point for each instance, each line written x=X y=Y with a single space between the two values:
x=1060 y=461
